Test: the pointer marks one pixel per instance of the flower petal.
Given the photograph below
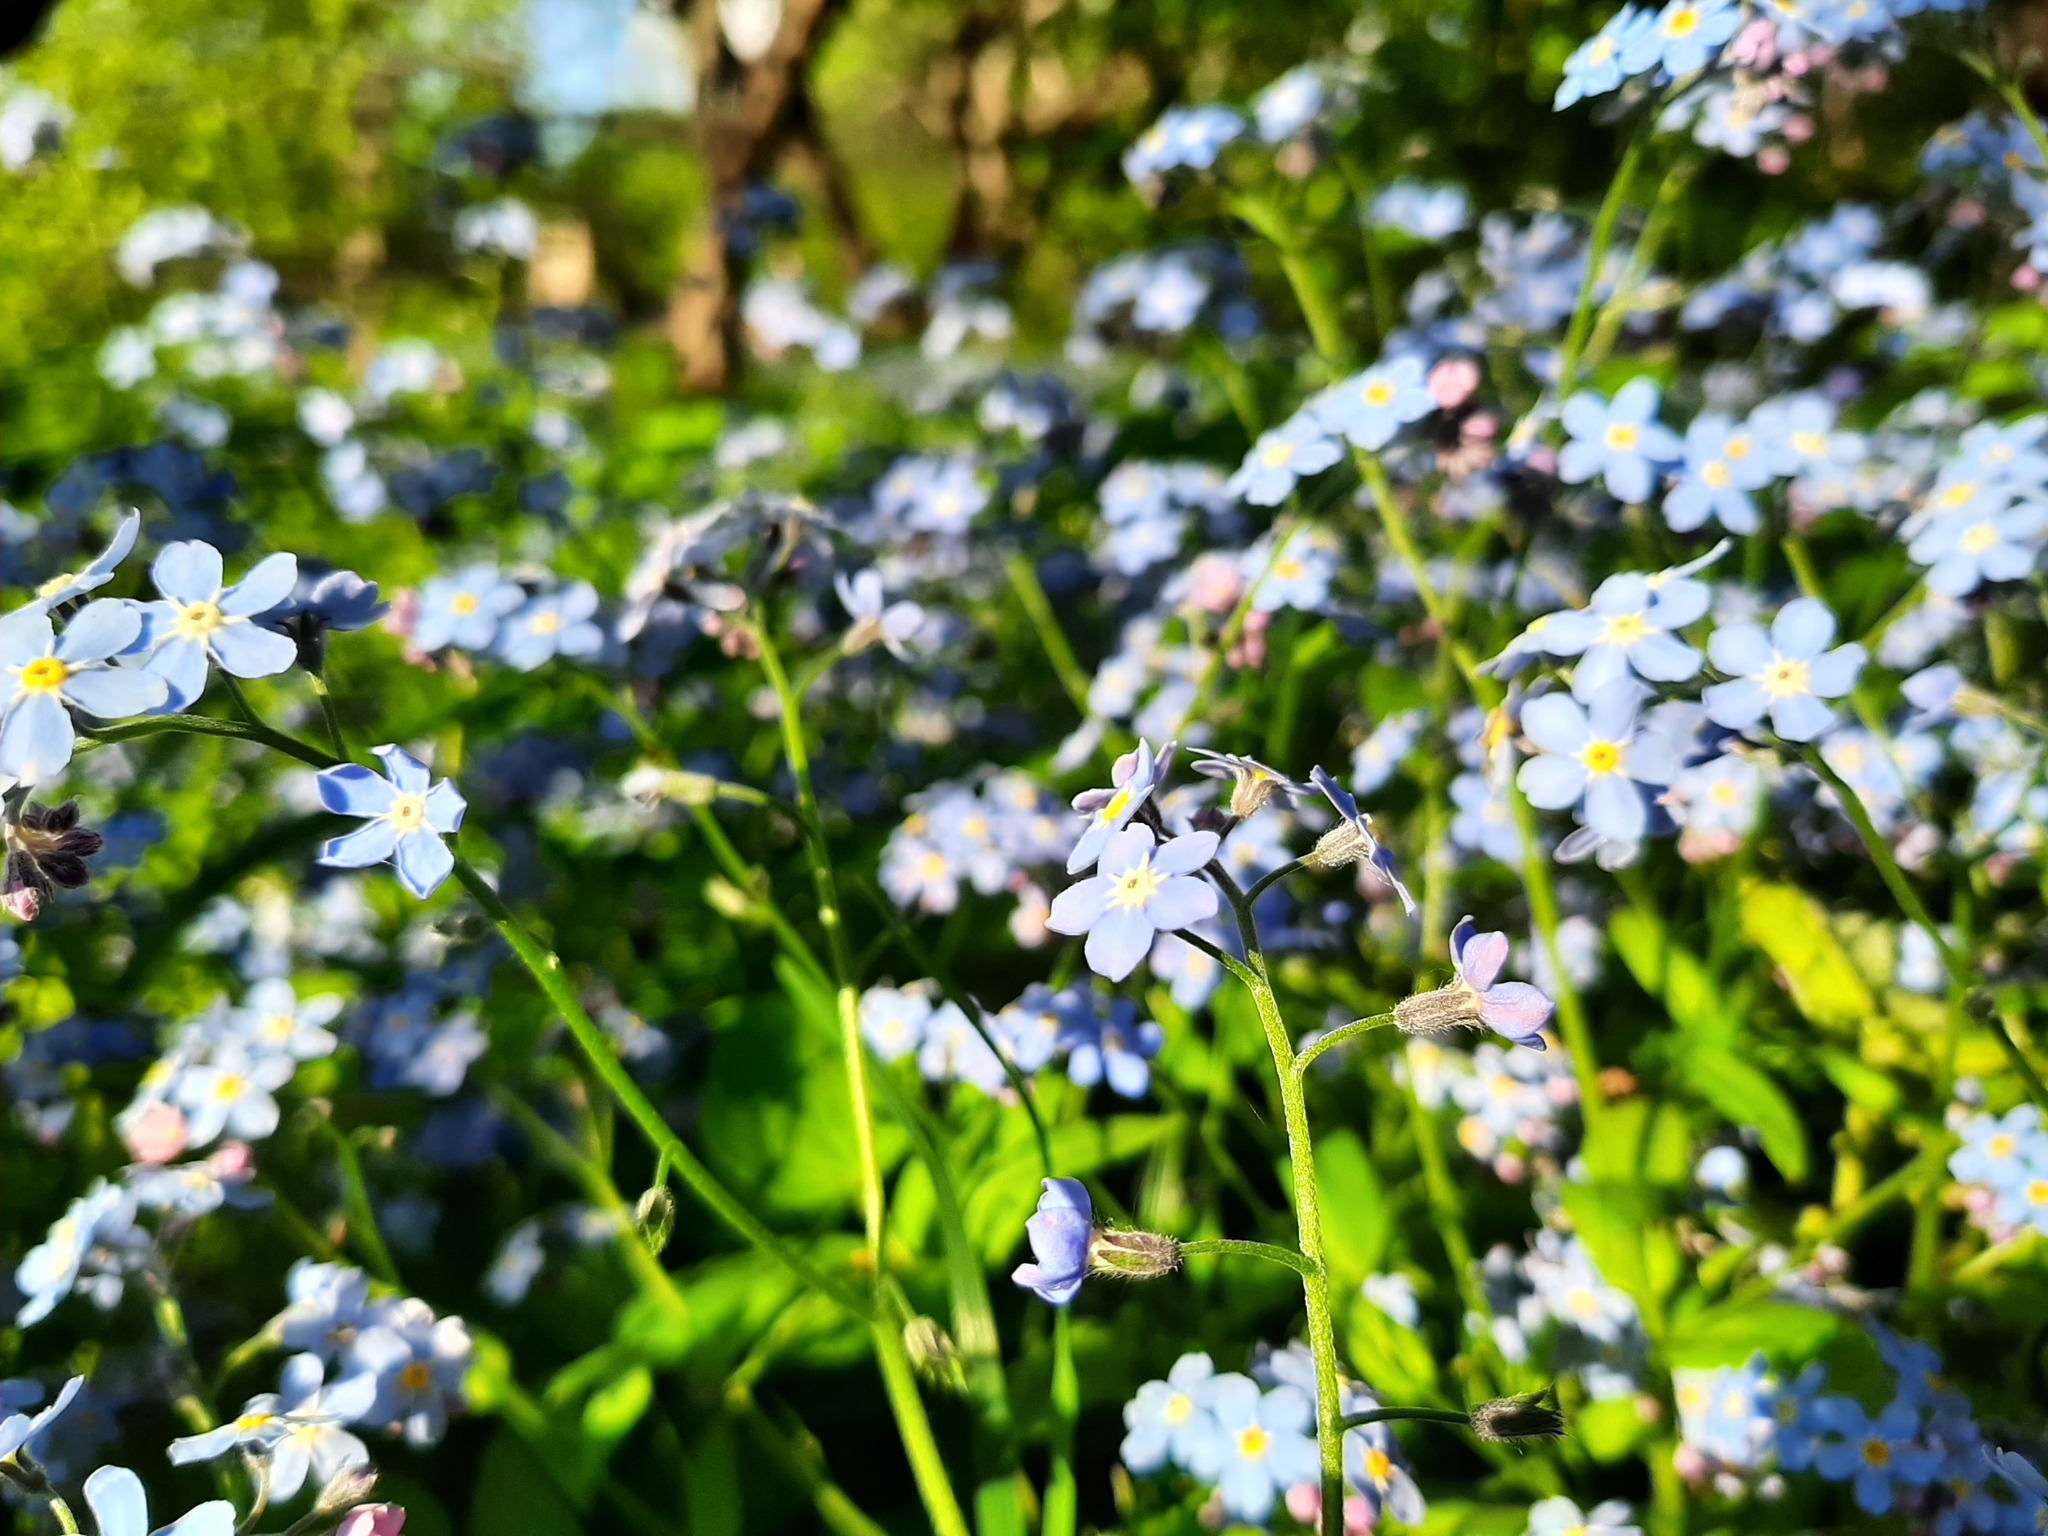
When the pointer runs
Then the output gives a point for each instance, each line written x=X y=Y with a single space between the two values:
x=266 y=584
x=248 y=650
x=1556 y=724
x=1483 y=956
x=1118 y=941
x=423 y=862
x=115 y=693
x=99 y=630
x=119 y=1508
x=1552 y=783
x=371 y=843
x=1080 y=906
x=403 y=769
x=1803 y=629
x=188 y=571
x=36 y=738
x=352 y=790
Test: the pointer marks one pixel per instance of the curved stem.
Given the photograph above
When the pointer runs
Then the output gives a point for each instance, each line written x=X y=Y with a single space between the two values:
x=67 y=1522
x=355 y=1203
x=1407 y=1416
x=1341 y=1035
x=327 y=714
x=1038 y=608
x=1272 y=1253
x=1271 y=878
x=2013 y=96
x=1596 y=253
x=207 y=725
x=1915 y=911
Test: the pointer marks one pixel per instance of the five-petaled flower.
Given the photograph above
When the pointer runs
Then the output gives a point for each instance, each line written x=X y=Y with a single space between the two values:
x=44 y=675
x=1786 y=673
x=1133 y=778
x=1140 y=889
x=1594 y=754
x=202 y=620
x=408 y=816
x=1061 y=1231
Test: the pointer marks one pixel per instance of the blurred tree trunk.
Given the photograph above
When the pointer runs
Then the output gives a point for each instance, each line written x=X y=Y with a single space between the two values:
x=743 y=114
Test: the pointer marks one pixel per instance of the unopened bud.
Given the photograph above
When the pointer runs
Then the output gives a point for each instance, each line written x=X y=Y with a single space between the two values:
x=655 y=1218
x=372 y=1520
x=1132 y=1255
x=1529 y=1416
x=729 y=901
x=1438 y=1012
x=346 y=1489
x=933 y=1355
x=1342 y=846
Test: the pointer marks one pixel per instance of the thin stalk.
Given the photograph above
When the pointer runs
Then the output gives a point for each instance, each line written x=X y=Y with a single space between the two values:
x=1596 y=254
x=328 y=715
x=546 y=969
x=1544 y=917
x=1341 y=1035
x=1038 y=608
x=355 y=1204
x=67 y=1522
x=2014 y=98
x=1408 y=1416
x=1062 y=1493
x=1915 y=911
x=838 y=1513
x=1325 y=325
x=207 y=725
x=852 y=1046
x=1615 y=312
x=1272 y=1253
x=742 y=874
x=1379 y=284
x=1271 y=878
x=927 y=1467
x=1381 y=490
x=1446 y=1209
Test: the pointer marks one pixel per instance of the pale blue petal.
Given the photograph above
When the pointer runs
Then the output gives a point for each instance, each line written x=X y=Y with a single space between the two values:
x=1679 y=602
x=1663 y=658
x=99 y=630
x=1612 y=715
x=26 y=636
x=445 y=807
x=403 y=769
x=36 y=738
x=1636 y=400
x=1080 y=906
x=352 y=790
x=216 y=1517
x=114 y=1494
x=1835 y=673
x=1652 y=758
x=1552 y=783
x=115 y=693
x=249 y=650
x=1567 y=634
x=1598 y=670
x=423 y=862
x=1740 y=650
x=1181 y=902
x=265 y=585
x=371 y=843
x=1584 y=415
x=1555 y=724
x=1737 y=705
x=1800 y=717
x=188 y=572
x=1629 y=479
x=1614 y=809
x=1117 y=942
x=1578 y=461
x=1803 y=629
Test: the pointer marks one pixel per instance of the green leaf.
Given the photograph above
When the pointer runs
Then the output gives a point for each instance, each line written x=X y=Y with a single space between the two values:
x=514 y=1494
x=711 y=1482
x=1792 y=928
x=1861 y=1084
x=610 y=1412
x=1394 y=1361
x=1730 y=1333
x=1672 y=974
x=1611 y=1220
x=1356 y=1222
x=1609 y=1429
x=1745 y=1095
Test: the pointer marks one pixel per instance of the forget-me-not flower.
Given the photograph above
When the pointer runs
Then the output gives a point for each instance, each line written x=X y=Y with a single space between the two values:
x=18 y=1429
x=463 y=610
x=1722 y=466
x=68 y=585
x=1683 y=37
x=1184 y=138
x=120 y=1508
x=201 y=620
x=1370 y=407
x=1061 y=1231
x=1513 y=1009
x=1140 y=889
x=231 y=1092
x=1167 y=1419
x=1595 y=66
x=1627 y=627
x=550 y=624
x=1116 y=1047
x=1258 y=1444
x=1352 y=839
x=408 y=817
x=1879 y=1456
x=1962 y=552
x=1787 y=673
x=1297 y=448
x=1621 y=440
x=418 y=1363
x=1594 y=755
x=1133 y=778
x=44 y=676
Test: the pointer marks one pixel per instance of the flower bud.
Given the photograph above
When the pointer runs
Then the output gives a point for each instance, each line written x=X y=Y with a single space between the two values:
x=1434 y=1013
x=1529 y=1416
x=655 y=1218
x=372 y=1520
x=346 y=1489
x=933 y=1355
x=1132 y=1255
x=1343 y=845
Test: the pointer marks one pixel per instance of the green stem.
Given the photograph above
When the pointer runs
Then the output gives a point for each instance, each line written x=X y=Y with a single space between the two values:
x=546 y=969
x=836 y=1511
x=187 y=1396
x=1062 y=1494
x=1272 y=1253
x=2014 y=98
x=927 y=1467
x=1325 y=327
x=1915 y=911
x=1408 y=1416
x=1596 y=254
x=327 y=714
x=67 y=1522
x=1271 y=878
x=355 y=1204
x=207 y=725
x=1544 y=918
x=853 y=1048
x=1338 y=1036
x=1615 y=312
x=1038 y=608
x=1385 y=313
x=744 y=876
x=1446 y=1208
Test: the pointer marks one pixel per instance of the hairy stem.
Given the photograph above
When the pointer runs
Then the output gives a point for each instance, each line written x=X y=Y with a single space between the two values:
x=1272 y=1253
x=1341 y=1035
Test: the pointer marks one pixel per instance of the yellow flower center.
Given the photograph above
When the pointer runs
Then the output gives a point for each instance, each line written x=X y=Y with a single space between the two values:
x=1622 y=436
x=1736 y=448
x=1724 y=793
x=1999 y=1147
x=546 y=622
x=1116 y=805
x=278 y=1028
x=1252 y=1442
x=416 y=1377
x=1980 y=538
x=45 y=675
x=1600 y=50
x=1625 y=629
x=1135 y=887
x=196 y=621
x=1714 y=474
x=1876 y=1454
x=1601 y=756
x=1178 y=1407
x=1812 y=444
x=1683 y=23
x=1377 y=394
x=230 y=1086
x=462 y=604
x=1378 y=1464
x=1848 y=758
x=2037 y=1192
x=249 y=1421
x=1287 y=568
x=1784 y=679
x=55 y=585
x=408 y=813
x=1958 y=494
x=1277 y=455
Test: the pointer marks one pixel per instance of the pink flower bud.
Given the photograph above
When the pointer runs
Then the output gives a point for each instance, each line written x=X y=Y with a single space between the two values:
x=157 y=1134
x=372 y=1520
x=232 y=1160
x=1452 y=381
x=1215 y=584
x=22 y=904
x=1773 y=160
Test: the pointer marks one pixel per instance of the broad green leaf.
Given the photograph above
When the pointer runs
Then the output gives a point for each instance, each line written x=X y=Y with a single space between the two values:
x=1394 y=1361
x=1355 y=1215
x=1671 y=973
x=513 y=1493
x=1609 y=1429
x=1730 y=1333
x=610 y=1412
x=1792 y=928
x=712 y=1495
x=1861 y=1084
x=1611 y=1219
x=1745 y=1095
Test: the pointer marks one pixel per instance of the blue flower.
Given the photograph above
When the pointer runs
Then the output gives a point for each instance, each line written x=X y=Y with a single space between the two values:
x=1141 y=889
x=63 y=588
x=1117 y=1047
x=1999 y=1151
x=202 y=621
x=1879 y=1455
x=1627 y=627
x=43 y=676
x=1184 y=138
x=1133 y=778
x=418 y=1363
x=876 y=620
x=18 y=1429
x=1061 y=1232
x=1297 y=447
x=1423 y=212
x=1963 y=552
x=463 y=610
x=1797 y=434
x=551 y=624
x=931 y=495
x=1595 y=67
x=120 y=1508
x=1683 y=37
x=408 y=818
x=1370 y=407
x=326 y=1306
x=2023 y=1478
x=231 y=1091
x=1596 y=756
x=1786 y=674
x=86 y=1248
x=1256 y=1445
x=1720 y=796
x=1723 y=464
x=892 y=1020
x=1295 y=575
x=1621 y=441
x=1167 y=1419
x=1352 y=839
x=1484 y=822
x=1290 y=105
x=1514 y=1010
